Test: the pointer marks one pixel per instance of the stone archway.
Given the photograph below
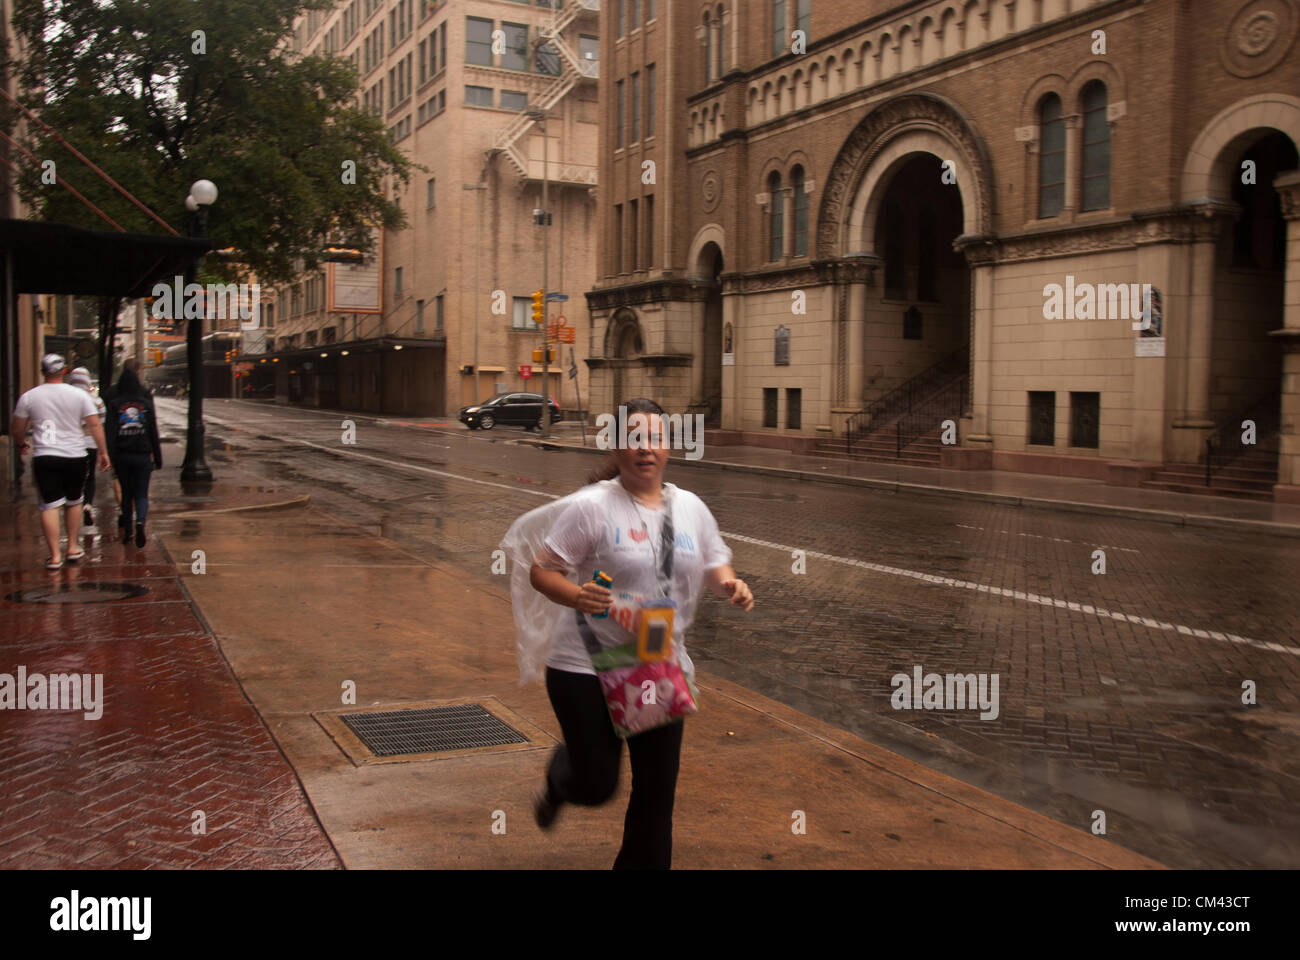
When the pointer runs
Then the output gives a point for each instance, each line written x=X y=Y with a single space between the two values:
x=706 y=272
x=624 y=344
x=1212 y=173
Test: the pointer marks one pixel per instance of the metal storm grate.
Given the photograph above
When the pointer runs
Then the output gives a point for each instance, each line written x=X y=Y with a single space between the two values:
x=430 y=730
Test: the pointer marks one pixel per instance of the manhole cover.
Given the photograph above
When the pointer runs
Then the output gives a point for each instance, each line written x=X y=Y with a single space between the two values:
x=430 y=730
x=79 y=593
x=433 y=730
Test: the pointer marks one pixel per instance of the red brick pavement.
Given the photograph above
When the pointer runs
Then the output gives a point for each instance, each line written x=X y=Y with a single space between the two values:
x=176 y=735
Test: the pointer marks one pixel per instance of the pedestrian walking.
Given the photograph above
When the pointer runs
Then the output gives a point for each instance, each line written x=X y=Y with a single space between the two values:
x=80 y=377
x=57 y=414
x=657 y=545
x=133 y=445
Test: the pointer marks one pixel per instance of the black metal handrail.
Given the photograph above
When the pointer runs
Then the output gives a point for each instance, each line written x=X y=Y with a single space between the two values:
x=1223 y=445
x=909 y=397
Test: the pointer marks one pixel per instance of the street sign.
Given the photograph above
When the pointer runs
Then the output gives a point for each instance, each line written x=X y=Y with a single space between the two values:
x=557 y=296
x=525 y=370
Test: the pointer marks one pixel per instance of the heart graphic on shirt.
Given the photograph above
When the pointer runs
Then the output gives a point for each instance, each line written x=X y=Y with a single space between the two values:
x=637 y=535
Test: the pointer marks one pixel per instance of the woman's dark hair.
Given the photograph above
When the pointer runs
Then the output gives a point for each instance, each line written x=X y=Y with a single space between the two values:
x=128 y=384
x=609 y=469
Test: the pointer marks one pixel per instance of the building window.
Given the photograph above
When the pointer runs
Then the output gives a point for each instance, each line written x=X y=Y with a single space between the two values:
x=419 y=316
x=478 y=96
x=649 y=10
x=650 y=101
x=429 y=201
x=1051 y=160
x=397 y=281
x=589 y=50
x=927 y=260
x=618 y=118
x=803 y=19
x=513 y=100
x=522 y=316
x=478 y=41
x=708 y=49
x=1085 y=419
x=516 y=52
x=650 y=232
x=794 y=409
x=912 y=323
x=547 y=59
x=722 y=42
x=800 y=212
x=636 y=107
x=769 y=406
x=618 y=239
x=776 y=217
x=1042 y=418
x=1096 y=148
x=632 y=235
x=778 y=27
x=636 y=13
x=622 y=17
x=437 y=313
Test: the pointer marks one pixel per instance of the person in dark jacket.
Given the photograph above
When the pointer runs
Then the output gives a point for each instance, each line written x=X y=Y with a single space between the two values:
x=134 y=447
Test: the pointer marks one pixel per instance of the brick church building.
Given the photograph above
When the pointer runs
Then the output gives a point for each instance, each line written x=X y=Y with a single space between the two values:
x=1069 y=227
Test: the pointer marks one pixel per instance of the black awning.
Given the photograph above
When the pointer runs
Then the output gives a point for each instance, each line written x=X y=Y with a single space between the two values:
x=58 y=258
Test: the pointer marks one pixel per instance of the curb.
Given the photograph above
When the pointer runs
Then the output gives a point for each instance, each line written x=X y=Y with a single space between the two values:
x=1009 y=500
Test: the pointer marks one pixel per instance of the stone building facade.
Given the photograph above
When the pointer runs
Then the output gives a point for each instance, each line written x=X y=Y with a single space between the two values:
x=849 y=217
x=453 y=81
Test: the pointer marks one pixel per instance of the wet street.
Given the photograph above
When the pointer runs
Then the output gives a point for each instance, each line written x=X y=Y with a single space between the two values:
x=1120 y=692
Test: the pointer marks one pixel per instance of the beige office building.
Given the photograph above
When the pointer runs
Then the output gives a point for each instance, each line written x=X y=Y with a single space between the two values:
x=442 y=316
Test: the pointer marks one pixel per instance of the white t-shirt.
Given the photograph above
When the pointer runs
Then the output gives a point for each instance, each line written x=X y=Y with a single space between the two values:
x=100 y=410
x=57 y=412
x=605 y=529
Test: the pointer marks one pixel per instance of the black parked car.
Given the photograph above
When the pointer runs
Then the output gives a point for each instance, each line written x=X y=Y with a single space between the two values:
x=518 y=409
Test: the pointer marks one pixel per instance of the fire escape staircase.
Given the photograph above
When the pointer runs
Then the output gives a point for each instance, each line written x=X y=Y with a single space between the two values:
x=572 y=69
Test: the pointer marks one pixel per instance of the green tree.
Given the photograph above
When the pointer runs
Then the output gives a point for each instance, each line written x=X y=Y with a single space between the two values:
x=160 y=93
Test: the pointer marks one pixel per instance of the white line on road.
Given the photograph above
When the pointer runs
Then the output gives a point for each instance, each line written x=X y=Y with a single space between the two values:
x=1084 y=608
x=1040 y=536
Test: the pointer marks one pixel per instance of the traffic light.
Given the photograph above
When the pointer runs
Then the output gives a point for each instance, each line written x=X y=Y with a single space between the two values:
x=537 y=355
x=539 y=308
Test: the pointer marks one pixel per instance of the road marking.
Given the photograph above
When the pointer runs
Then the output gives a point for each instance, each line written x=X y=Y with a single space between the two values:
x=1021 y=595
x=1039 y=536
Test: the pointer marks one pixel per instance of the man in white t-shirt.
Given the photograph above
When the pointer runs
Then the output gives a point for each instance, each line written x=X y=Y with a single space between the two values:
x=58 y=414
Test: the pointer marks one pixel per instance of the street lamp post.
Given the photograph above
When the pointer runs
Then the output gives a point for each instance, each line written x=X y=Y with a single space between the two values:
x=203 y=193
x=539 y=116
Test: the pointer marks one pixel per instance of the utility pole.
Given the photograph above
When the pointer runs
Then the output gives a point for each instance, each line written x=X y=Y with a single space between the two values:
x=539 y=117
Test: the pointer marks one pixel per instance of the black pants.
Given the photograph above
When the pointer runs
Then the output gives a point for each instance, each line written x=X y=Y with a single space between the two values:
x=584 y=769
x=133 y=470
x=89 y=493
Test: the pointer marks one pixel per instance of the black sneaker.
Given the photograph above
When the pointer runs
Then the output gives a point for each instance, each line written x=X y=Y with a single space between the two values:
x=139 y=535
x=544 y=809
x=88 y=517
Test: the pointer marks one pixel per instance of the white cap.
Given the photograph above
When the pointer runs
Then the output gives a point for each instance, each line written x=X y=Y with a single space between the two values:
x=52 y=363
x=79 y=377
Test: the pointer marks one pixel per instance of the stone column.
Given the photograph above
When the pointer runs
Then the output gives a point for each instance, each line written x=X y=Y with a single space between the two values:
x=1287 y=489
x=856 y=322
x=697 y=348
x=1073 y=162
x=857 y=272
x=1193 y=423
x=981 y=255
x=732 y=377
x=786 y=199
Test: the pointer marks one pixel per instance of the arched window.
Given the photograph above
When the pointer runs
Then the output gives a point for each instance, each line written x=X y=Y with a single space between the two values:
x=776 y=216
x=1096 y=148
x=800 y=212
x=1051 y=158
x=708 y=49
x=722 y=43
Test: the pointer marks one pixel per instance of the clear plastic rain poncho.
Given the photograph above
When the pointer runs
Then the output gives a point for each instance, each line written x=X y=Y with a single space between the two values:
x=536 y=617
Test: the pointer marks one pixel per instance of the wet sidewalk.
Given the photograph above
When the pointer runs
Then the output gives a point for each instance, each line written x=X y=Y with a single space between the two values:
x=312 y=610
x=178 y=769
x=1072 y=494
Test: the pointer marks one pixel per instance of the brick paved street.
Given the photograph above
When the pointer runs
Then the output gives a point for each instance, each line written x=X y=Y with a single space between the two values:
x=176 y=735
x=1128 y=702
